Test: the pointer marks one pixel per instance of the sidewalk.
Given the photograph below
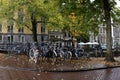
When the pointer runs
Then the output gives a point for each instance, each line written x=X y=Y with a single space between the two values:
x=21 y=62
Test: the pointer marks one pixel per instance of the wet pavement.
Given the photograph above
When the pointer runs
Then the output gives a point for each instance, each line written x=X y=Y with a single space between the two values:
x=21 y=68
x=21 y=62
x=105 y=74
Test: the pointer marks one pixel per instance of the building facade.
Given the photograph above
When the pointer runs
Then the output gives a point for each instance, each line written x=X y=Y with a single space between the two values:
x=102 y=34
x=11 y=33
x=101 y=37
x=116 y=34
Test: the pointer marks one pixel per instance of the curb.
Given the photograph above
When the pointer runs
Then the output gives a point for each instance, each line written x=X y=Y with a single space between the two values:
x=57 y=70
x=82 y=70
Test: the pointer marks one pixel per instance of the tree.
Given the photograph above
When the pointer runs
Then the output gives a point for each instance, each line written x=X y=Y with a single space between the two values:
x=89 y=14
x=30 y=12
x=107 y=10
x=107 y=13
x=92 y=14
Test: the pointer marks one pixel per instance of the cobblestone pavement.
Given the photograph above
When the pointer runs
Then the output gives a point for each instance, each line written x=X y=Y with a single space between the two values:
x=20 y=68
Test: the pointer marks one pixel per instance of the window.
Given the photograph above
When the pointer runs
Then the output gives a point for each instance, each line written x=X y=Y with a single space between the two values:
x=42 y=38
x=42 y=25
x=0 y=37
x=10 y=29
x=10 y=38
x=21 y=30
x=22 y=38
x=42 y=28
x=0 y=27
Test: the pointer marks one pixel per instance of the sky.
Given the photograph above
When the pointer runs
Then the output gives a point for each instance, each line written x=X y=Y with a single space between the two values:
x=118 y=3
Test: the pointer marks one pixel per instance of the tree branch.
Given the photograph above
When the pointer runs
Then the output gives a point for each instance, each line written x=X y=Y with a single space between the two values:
x=40 y=21
x=23 y=24
x=28 y=27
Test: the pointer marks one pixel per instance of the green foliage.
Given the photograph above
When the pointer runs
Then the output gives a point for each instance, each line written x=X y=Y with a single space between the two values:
x=84 y=37
x=27 y=13
x=88 y=15
x=116 y=15
x=44 y=8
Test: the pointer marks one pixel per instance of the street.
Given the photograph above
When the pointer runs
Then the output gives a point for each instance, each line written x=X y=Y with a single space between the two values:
x=19 y=68
x=108 y=74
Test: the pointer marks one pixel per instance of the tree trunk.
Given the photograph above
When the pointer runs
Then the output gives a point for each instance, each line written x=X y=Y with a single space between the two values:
x=107 y=10
x=34 y=30
x=34 y=27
